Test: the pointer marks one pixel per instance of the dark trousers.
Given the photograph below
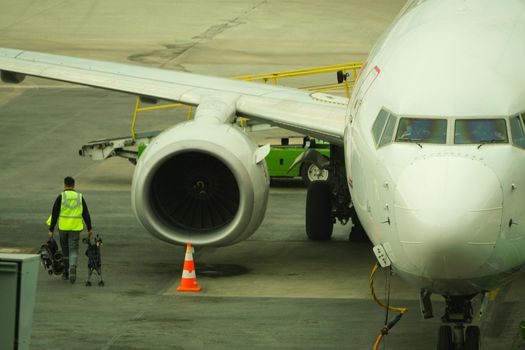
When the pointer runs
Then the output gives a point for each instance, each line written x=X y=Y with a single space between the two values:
x=69 y=243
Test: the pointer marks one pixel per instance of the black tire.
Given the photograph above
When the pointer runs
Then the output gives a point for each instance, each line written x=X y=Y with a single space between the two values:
x=311 y=172
x=319 y=224
x=445 y=338
x=357 y=233
x=472 y=338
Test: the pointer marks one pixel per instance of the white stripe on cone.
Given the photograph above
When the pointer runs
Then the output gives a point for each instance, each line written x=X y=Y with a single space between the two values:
x=188 y=274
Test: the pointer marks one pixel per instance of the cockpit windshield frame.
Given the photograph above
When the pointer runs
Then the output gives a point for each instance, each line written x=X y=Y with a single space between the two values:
x=459 y=131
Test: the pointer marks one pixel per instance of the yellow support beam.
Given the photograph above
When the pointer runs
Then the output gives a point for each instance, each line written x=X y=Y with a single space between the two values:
x=329 y=87
x=153 y=108
x=134 y=119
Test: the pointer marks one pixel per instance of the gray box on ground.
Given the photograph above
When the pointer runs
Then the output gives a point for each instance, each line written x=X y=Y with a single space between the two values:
x=18 y=279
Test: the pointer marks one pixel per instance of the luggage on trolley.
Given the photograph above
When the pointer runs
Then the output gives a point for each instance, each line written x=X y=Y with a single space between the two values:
x=94 y=259
x=51 y=258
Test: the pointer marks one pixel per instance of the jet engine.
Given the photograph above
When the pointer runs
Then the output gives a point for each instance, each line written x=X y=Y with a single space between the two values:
x=11 y=77
x=200 y=182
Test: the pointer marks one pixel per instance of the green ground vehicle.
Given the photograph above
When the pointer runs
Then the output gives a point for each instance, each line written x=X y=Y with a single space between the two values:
x=282 y=156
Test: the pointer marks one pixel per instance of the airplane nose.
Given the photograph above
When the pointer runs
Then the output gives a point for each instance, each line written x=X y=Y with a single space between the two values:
x=448 y=212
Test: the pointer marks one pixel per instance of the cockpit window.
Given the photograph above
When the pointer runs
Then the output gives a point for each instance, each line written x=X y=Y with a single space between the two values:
x=480 y=131
x=379 y=125
x=388 y=134
x=421 y=130
x=516 y=130
x=383 y=128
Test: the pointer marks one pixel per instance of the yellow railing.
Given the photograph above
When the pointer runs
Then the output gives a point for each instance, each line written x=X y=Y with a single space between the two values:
x=349 y=71
x=152 y=108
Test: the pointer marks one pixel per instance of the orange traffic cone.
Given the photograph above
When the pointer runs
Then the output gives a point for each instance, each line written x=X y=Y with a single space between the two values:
x=188 y=283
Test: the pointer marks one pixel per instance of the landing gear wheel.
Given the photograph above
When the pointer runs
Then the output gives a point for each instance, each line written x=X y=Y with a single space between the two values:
x=311 y=172
x=357 y=233
x=472 y=338
x=319 y=223
x=445 y=338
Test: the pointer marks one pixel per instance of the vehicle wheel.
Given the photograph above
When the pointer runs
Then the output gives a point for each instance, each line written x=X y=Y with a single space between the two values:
x=311 y=172
x=357 y=233
x=319 y=224
x=445 y=338
x=472 y=338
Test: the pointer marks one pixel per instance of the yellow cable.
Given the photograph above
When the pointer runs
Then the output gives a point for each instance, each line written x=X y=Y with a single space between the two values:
x=401 y=310
x=378 y=341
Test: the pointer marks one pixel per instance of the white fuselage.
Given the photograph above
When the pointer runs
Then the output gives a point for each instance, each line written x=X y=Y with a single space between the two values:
x=451 y=214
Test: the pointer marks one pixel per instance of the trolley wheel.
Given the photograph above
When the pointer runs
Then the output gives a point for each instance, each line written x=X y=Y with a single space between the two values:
x=445 y=338
x=101 y=283
x=88 y=284
x=49 y=272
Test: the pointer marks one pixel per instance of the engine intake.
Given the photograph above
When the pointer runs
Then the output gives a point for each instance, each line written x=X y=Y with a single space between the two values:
x=201 y=183
x=203 y=197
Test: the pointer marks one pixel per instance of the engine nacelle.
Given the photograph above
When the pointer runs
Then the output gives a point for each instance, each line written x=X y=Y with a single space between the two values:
x=200 y=182
x=12 y=77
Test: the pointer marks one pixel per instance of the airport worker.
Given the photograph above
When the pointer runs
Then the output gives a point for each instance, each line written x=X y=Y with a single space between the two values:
x=69 y=210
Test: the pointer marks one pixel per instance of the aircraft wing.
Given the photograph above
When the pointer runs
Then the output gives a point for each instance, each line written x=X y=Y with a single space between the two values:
x=315 y=114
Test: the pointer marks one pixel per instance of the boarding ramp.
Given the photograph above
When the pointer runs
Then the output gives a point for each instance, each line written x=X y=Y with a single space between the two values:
x=128 y=147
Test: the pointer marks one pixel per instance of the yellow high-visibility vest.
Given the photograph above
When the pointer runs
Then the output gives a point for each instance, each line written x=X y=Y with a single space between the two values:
x=70 y=218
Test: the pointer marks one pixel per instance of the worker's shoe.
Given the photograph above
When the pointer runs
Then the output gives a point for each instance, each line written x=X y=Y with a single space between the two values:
x=72 y=274
x=65 y=276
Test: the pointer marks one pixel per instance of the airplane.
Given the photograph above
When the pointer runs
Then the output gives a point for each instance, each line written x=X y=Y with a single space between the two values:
x=427 y=156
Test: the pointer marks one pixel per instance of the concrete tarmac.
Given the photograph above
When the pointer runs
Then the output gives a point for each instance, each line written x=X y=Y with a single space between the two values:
x=276 y=290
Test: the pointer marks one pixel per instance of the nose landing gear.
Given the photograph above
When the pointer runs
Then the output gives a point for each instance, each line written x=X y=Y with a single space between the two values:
x=460 y=338
x=458 y=311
